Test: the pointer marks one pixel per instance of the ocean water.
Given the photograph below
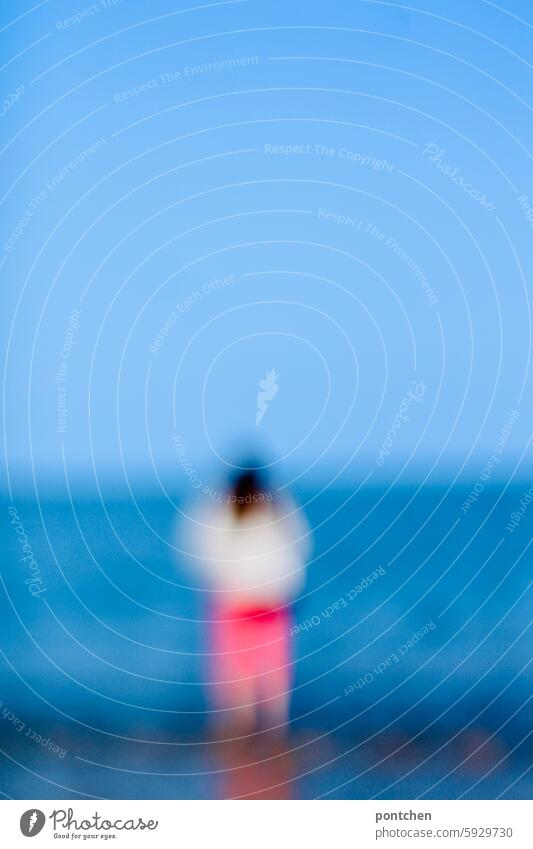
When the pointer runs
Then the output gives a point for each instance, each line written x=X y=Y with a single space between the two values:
x=411 y=648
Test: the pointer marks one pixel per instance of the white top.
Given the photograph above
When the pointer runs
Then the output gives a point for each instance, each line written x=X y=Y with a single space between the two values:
x=257 y=560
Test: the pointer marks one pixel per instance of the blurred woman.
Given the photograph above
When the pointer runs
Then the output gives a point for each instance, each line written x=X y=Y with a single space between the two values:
x=252 y=549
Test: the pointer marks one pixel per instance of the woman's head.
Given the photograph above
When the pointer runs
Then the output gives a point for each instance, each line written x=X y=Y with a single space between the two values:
x=248 y=492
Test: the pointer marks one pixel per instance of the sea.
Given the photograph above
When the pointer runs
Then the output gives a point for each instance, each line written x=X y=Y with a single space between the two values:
x=411 y=650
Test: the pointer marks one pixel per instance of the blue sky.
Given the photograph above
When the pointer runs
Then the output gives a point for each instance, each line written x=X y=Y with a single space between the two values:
x=194 y=197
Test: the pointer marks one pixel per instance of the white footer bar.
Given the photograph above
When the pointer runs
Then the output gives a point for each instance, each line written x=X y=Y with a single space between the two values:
x=268 y=824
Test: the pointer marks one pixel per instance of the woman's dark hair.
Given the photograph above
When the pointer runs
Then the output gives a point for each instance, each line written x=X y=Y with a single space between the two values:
x=248 y=491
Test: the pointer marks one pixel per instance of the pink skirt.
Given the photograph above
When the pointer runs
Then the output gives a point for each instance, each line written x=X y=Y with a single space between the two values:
x=251 y=658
